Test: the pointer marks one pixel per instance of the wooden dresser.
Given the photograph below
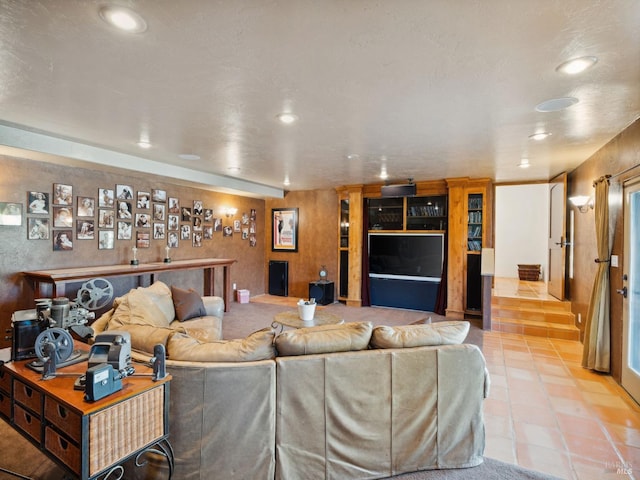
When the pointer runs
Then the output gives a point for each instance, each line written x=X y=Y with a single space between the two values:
x=88 y=439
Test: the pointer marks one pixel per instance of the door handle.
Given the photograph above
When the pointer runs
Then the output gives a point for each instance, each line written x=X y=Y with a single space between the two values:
x=622 y=291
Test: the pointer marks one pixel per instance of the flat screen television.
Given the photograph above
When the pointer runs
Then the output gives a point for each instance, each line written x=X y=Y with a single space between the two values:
x=413 y=256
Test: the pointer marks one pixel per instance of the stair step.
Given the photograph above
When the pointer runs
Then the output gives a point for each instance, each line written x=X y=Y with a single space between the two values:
x=533 y=314
x=535 y=328
x=551 y=305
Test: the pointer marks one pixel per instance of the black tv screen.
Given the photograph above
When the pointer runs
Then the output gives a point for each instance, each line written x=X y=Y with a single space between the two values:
x=407 y=255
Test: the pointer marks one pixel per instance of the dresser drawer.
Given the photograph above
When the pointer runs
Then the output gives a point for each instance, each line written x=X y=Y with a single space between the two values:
x=60 y=416
x=5 y=381
x=62 y=448
x=27 y=396
x=28 y=423
x=5 y=405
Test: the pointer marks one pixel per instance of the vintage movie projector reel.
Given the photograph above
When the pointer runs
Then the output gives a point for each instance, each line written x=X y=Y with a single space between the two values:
x=51 y=322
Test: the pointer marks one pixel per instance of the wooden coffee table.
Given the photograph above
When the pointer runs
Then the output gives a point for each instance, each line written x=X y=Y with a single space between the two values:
x=290 y=318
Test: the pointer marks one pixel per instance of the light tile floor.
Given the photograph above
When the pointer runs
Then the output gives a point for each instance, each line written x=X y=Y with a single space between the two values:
x=547 y=413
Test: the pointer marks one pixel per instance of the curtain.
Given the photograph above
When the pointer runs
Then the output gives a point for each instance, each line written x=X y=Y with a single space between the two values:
x=597 y=347
x=365 y=285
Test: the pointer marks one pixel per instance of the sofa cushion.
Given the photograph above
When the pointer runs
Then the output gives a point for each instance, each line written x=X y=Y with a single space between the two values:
x=325 y=339
x=439 y=333
x=205 y=329
x=257 y=346
x=187 y=303
x=143 y=306
x=145 y=337
x=160 y=294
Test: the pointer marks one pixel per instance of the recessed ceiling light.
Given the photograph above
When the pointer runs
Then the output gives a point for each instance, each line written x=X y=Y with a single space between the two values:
x=189 y=156
x=524 y=163
x=540 y=136
x=287 y=117
x=555 y=104
x=576 y=65
x=143 y=144
x=233 y=168
x=123 y=19
x=353 y=156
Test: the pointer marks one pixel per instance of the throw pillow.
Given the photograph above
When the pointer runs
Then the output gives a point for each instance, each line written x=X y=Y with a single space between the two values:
x=187 y=303
x=160 y=295
x=257 y=346
x=439 y=333
x=137 y=308
x=325 y=339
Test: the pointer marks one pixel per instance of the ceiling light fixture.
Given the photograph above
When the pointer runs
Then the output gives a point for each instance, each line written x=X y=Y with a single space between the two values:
x=143 y=144
x=287 y=118
x=524 y=163
x=577 y=65
x=540 y=136
x=556 y=104
x=286 y=182
x=123 y=19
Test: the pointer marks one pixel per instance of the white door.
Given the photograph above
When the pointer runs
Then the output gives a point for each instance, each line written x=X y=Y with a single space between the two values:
x=631 y=292
x=557 y=236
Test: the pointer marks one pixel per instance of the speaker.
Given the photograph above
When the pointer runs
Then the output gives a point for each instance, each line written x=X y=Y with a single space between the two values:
x=279 y=278
x=407 y=190
x=322 y=291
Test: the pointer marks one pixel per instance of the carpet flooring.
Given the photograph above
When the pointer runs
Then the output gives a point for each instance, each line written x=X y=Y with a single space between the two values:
x=18 y=455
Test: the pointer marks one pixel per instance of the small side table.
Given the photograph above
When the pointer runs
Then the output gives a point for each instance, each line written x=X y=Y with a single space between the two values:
x=290 y=318
x=322 y=291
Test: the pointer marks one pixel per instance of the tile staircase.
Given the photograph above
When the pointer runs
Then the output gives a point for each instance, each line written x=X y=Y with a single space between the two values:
x=525 y=308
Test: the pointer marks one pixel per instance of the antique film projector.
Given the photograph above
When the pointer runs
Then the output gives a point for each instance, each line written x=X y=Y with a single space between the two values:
x=49 y=324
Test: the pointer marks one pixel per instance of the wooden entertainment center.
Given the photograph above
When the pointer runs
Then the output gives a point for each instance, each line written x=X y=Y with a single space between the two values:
x=464 y=214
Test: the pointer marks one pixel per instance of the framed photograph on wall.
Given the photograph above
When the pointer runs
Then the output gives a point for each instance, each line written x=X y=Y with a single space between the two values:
x=105 y=239
x=11 y=214
x=124 y=192
x=62 y=240
x=142 y=239
x=284 y=229
x=38 y=202
x=62 y=194
x=38 y=228
x=144 y=200
x=86 y=206
x=85 y=229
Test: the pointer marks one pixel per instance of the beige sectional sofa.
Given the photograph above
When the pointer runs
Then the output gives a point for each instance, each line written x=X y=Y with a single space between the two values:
x=341 y=402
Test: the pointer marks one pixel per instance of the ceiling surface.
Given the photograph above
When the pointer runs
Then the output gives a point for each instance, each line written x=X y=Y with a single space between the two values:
x=424 y=89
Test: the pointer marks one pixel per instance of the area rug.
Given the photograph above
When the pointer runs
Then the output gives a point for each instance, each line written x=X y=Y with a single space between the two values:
x=490 y=469
x=245 y=318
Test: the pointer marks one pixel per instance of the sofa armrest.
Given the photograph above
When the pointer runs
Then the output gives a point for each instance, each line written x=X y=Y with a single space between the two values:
x=214 y=306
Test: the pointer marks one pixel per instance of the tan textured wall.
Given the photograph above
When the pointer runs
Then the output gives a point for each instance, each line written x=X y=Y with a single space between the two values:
x=18 y=254
x=619 y=154
x=317 y=234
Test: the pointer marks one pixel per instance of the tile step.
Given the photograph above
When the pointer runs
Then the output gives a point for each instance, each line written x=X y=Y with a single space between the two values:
x=533 y=314
x=535 y=328
x=551 y=305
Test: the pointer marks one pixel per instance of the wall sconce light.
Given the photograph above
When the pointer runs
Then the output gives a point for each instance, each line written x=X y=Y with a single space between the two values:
x=582 y=203
x=230 y=212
